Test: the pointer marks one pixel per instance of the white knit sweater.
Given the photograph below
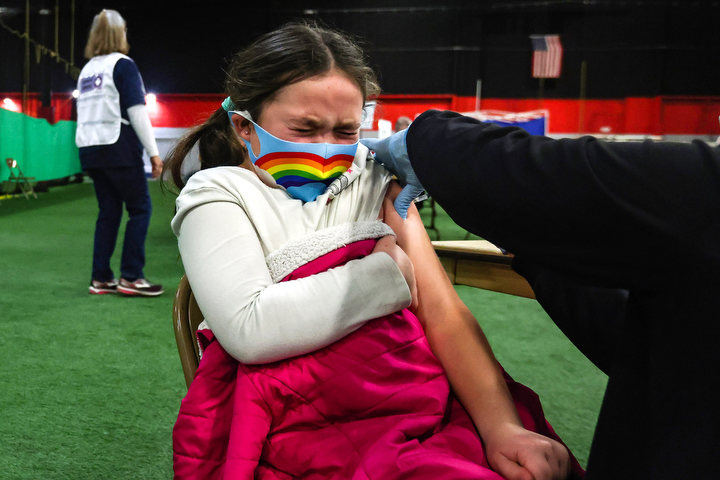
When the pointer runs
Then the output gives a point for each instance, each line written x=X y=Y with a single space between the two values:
x=239 y=234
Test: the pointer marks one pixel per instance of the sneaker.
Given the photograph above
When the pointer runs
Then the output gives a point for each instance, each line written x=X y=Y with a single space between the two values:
x=100 y=288
x=139 y=287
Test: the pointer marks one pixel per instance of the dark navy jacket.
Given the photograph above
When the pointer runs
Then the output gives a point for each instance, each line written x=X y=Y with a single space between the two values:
x=621 y=244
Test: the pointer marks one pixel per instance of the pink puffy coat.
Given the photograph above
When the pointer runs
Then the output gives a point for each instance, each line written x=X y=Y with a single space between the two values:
x=374 y=405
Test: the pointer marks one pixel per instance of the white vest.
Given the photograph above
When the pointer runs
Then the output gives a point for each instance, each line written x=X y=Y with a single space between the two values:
x=98 y=106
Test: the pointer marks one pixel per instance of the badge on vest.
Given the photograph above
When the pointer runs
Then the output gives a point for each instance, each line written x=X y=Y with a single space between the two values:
x=93 y=82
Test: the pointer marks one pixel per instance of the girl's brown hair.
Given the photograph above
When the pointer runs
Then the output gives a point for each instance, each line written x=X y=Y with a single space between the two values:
x=287 y=55
x=107 y=35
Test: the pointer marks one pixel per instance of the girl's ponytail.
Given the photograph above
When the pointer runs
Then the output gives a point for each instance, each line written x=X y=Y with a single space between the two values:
x=217 y=143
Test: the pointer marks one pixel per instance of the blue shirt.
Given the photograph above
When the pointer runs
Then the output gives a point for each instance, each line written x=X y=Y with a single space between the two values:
x=127 y=151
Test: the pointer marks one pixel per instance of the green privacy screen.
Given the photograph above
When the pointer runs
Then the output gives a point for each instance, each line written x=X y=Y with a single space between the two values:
x=43 y=151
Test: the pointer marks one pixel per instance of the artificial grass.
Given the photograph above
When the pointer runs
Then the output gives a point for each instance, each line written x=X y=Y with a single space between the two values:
x=91 y=385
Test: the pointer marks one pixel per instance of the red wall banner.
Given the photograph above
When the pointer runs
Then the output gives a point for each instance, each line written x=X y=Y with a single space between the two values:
x=667 y=115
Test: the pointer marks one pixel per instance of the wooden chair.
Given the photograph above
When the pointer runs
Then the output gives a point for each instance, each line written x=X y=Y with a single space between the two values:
x=17 y=177
x=186 y=318
x=476 y=263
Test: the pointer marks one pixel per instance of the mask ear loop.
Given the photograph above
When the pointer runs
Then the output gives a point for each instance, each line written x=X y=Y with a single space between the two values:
x=229 y=106
x=265 y=177
x=246 y=115
x=243 y=113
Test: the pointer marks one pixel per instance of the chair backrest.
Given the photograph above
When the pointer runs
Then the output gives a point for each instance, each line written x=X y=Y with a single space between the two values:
x=16 y=176
x=15 y=171
x=186 y=318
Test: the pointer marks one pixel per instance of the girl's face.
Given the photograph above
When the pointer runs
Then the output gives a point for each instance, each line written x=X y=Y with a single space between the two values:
x=325 y=108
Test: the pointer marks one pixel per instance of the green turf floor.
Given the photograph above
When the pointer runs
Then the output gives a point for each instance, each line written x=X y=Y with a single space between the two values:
x=90 y=385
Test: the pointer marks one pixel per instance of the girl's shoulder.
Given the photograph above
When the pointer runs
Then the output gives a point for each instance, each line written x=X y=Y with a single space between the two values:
x=233 y=180
x=217 y=184
x=362 y=199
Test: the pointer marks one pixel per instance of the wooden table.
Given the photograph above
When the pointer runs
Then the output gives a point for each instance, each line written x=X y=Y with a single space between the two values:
x=479 y=263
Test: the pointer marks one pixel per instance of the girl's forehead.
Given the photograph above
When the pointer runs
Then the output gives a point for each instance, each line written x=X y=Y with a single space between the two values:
x=319 y=95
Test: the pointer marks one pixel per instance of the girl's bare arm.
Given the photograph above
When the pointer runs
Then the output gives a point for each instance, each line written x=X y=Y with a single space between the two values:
x=462 y=348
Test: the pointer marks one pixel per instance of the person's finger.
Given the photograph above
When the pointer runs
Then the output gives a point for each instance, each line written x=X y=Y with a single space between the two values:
x=510 y=469
x=564 y=465
x=538 y=465
x=405 y=198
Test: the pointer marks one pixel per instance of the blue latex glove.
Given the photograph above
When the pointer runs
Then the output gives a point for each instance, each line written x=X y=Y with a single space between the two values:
x=391 y=152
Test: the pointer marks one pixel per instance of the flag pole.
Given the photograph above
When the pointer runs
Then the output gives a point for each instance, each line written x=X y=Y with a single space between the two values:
x=583 y=92
x=478 y=91
x=72 y=33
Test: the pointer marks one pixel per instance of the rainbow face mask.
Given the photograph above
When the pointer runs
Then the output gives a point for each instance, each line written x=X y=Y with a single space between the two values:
x=304 y=169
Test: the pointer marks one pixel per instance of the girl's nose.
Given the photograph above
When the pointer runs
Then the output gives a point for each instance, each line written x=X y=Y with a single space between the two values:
x=324 y=137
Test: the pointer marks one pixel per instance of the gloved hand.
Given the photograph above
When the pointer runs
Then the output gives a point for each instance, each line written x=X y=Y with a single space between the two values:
x=391 y=152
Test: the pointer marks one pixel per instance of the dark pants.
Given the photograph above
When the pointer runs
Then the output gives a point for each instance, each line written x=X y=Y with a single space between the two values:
x=659 y=418
x=113 y=187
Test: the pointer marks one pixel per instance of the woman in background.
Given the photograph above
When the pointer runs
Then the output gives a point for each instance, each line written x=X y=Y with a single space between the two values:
x=112 y=128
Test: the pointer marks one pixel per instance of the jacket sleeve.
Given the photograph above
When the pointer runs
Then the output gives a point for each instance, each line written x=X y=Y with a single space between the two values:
x=223 y=422
x=128 y=81
x=624 y=213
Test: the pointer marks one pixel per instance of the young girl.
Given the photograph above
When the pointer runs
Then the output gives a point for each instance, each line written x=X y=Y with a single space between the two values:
x=313 y=365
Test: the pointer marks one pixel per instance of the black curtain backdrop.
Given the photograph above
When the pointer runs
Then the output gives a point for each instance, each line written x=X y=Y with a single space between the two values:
x=631 y=48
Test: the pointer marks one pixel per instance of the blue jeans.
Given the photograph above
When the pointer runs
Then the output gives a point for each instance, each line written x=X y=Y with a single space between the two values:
x=113 y=187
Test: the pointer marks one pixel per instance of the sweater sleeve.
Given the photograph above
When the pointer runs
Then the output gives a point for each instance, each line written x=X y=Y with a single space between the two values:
x=628 y=213
x=140 y=122
x=259 y=321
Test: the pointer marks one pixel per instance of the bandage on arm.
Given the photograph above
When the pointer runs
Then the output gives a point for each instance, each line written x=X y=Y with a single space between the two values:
x=258 y=321
x=140 y=122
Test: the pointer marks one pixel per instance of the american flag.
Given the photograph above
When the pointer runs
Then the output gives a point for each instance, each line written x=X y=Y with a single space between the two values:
x=547 y=56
